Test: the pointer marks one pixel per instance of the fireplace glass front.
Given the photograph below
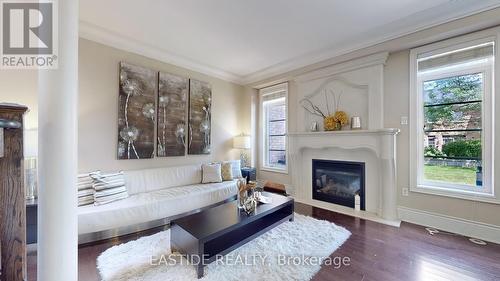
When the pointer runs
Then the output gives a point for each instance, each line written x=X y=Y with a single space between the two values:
x=338 y=182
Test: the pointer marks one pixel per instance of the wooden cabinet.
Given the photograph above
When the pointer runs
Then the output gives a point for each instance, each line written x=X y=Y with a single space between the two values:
x=12 y=198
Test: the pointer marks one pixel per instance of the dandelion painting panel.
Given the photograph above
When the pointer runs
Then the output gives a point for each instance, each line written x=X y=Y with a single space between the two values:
x=172 y=125
x=200 y=102
x=136 y=113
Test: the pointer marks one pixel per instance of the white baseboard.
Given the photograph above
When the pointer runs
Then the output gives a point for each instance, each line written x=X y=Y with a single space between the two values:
x=484 y=231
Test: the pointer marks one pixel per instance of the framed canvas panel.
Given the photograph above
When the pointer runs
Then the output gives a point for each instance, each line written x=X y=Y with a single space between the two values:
x=172 y=115
x=200 y=107
x=137 y=112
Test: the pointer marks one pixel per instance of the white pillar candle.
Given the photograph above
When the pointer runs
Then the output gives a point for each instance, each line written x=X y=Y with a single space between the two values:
x=357 y=202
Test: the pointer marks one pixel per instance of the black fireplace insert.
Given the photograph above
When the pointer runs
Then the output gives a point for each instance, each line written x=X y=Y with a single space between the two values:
x=338 y=182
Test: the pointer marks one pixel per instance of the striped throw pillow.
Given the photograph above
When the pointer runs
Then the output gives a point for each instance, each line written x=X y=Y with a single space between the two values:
x=109 y=188
x=85 y=189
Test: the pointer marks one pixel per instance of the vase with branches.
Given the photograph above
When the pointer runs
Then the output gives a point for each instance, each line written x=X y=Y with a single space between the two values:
x=331 y=121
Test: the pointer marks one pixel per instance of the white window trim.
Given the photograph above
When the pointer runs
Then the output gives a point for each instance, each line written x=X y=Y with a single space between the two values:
x=416 y=119
x=263 y=155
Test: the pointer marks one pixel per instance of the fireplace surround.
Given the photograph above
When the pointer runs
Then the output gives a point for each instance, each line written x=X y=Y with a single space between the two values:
x=376 y=148
x=338 y=182
x=361 y=83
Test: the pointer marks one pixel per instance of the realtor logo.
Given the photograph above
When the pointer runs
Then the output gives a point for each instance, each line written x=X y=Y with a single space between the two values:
x=29 y=35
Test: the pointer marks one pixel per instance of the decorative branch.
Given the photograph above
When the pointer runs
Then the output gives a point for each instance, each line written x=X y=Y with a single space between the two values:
x=314 y=109
x=326 y=100
x=336 y=100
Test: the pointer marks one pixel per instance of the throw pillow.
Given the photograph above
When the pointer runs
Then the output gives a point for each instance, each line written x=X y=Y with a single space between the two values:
x=109 y=188
x=211 y=173
x=227 y=171
x=85 y=189
x=236 y=165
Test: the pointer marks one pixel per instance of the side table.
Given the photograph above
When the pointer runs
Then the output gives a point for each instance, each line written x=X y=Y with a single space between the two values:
x=249 y=173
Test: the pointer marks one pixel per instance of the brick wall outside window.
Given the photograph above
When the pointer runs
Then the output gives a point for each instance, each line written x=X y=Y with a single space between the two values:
x=276 y=131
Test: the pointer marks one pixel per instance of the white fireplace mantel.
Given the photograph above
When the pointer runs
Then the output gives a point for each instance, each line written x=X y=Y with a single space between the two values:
x=382 y=142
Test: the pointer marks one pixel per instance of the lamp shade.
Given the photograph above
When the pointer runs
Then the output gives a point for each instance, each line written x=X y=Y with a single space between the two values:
x=241 y=142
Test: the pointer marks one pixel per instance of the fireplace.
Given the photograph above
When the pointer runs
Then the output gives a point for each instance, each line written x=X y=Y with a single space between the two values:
x=338 y=182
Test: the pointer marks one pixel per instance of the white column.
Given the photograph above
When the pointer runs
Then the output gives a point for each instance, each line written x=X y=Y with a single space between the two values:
x=57 y=102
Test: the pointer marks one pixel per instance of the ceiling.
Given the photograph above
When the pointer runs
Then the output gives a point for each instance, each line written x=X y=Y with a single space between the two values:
x=244 y=41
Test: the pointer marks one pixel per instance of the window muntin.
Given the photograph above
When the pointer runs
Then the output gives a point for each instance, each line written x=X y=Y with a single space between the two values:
x=454 y=137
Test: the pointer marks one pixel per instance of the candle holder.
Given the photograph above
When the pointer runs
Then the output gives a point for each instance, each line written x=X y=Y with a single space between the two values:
x=355 y=123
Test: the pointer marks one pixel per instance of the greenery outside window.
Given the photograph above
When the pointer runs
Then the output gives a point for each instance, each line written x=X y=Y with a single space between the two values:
x=453 y=130
x=452 y=99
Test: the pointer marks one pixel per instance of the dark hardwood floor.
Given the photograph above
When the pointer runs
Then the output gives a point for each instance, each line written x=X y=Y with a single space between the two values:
x=376 y=252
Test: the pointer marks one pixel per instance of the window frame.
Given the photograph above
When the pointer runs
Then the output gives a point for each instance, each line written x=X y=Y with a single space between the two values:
x=417 y=182
x=264 y=154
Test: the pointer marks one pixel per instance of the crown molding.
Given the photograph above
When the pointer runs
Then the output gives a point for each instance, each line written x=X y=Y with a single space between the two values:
x=306 y=62
x=110 y=38
x=408 y=26
x=362 y=62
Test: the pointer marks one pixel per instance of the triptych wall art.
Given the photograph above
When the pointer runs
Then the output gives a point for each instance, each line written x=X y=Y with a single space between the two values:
x=200 y=100
x=172 y=106
x=177 y=107
x=136 y=114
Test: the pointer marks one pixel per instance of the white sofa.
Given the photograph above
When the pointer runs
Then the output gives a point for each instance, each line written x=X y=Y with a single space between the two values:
x=155 y=194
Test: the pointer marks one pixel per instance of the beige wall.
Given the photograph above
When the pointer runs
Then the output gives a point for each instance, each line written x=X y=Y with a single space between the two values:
x=249 y=121
x=98 y=110
x=396 y=101
x=98 y=106
x=20 y=86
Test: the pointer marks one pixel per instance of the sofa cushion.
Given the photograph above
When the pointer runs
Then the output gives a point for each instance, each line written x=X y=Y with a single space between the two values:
x=139 y=181
x=236 y=165
x=227 y=171
x=211 y=173
x=153 y=205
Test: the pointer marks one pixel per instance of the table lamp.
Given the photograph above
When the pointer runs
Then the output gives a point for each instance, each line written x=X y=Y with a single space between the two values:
x=242 y=142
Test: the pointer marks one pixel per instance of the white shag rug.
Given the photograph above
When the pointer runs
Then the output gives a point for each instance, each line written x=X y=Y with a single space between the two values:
x=264 y=258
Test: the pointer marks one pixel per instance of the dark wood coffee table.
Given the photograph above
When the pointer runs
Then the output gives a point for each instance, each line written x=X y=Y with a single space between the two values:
x=209 y=234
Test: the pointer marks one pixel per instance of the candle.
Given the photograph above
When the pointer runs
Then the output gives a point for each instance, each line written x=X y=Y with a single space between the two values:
x=357 y=202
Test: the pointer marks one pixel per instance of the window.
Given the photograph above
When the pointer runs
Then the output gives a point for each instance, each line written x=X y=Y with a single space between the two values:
x=452 y=98
x=274 y=127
